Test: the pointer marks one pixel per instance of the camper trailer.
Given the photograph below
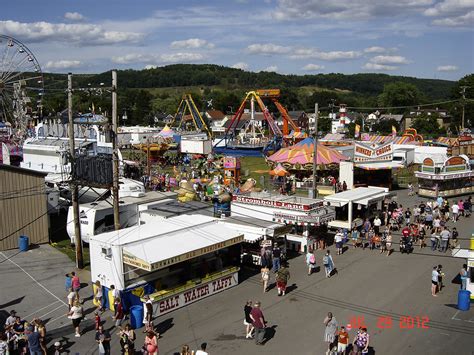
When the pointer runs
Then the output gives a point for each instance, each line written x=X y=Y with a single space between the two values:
x=98 y=217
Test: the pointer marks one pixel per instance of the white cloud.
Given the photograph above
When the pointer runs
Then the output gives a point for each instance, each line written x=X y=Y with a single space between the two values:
x=73 y=16
x=267 y=49
x=456 y=21
x=240 y=65
x=447 y=68
x=153 y=59
x=377 y=49
x=313 y=67
x=271 y=68
x=343 y=9
x=182 y=57
x=304 y=53
x=192 y=43
x=150 y=66
x=84 y=34
x=389 y=59
x=447 y=7
x=378 y=67
x=63 y=64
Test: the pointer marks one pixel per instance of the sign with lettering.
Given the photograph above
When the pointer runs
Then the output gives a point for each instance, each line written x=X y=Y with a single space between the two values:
x=178 y=300
x=316 y=217
x=132 y=260
x=367 y=153
x=455 y=161
x=294 y=206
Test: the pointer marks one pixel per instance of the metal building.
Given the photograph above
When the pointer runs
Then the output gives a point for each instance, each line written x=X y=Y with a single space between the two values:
x=23 y=208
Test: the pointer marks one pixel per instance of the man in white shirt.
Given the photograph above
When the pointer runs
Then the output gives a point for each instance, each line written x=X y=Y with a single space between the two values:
x=377 y=224
x=11 y=319
x=203 y=350
x=434 y=281
x=455 y=210
x=445 y=235
x=338 y=241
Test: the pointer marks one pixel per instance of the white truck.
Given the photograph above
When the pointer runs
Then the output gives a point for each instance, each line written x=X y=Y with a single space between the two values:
x=404 y=155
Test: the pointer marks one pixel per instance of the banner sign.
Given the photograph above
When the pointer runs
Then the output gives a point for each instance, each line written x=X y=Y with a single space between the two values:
x=367 y=153
x=178 y=300
x=276 y=204
x=317 y=217
x=132 y=260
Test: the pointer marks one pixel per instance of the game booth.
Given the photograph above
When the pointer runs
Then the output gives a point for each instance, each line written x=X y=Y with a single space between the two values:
x=453 y=177
x=303 y=215
x=189 y=257
x=353 y=206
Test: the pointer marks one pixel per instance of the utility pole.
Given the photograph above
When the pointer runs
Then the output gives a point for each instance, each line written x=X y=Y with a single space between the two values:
x=73 y=186
x=115 y=160
x=463 y=93
x=315 y=149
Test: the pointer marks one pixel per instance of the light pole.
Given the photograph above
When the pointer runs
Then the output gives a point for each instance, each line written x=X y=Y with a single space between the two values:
x=315 y=149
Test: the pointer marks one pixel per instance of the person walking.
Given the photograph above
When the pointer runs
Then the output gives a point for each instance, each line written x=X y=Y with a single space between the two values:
x=282 y=277
x=310 y=261
x=202 y=351
x=119 y=314
x=355 y=237
x=102 y=338
x=455 y=211
x=388 y=243
x=248 y=320
x=464 y=277
x=445 y=236
x=377 y=224
x=151 y=343
x=342 y=341
x=434 y=281
x=265 y=275
x=259 y=323
x=186 y=350
x=330 y=331
x=127 y=339
x=67 y=282
x=276 y=257
x=75 y=314
x=338 y=241
x=440 y=277
x=34 y=341
x=98 y=297
x=76 y=285
x=361 y=342
x=148 y=321
x=328 y=263
x=71 y=298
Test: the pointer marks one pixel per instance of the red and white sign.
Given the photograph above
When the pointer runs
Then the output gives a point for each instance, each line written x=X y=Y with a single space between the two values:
x=197 y=293
x=275 y=203
x=367 y=153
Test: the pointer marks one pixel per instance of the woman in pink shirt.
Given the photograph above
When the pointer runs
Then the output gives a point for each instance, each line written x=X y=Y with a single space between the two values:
x=76 y=285
x=461 y=207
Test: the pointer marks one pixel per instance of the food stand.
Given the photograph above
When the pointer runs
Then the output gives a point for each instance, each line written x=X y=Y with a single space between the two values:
x=352 y=206
x=290 y=210
x=453 y=177
x=177 y=261
x=468 y=255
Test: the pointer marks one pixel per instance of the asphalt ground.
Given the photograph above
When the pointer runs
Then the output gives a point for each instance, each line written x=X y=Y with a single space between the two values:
x=369 y=287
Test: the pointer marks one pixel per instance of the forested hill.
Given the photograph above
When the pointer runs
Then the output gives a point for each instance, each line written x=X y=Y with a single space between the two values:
x=186 y=75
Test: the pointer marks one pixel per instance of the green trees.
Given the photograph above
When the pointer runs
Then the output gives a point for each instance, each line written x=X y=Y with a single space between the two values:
x=427 y=125
x=400 y=94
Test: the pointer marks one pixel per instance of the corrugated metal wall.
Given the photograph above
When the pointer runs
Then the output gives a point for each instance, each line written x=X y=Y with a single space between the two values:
x=22 y=208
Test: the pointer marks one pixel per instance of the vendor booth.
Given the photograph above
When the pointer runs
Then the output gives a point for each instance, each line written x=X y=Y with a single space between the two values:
x=373 y=164
x=290 y=210
x=353 y=206
x=178 y=261
x=453 y=177
x=468 y=255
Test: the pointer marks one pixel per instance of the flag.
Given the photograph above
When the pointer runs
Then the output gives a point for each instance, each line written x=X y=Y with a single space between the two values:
x=357 y=131
x=394 y=131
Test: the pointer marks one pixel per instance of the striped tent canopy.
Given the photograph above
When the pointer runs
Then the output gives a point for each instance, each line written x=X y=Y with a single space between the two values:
x=300 y=156
x=446 y=141
x=279 y=171
x=15 y=150
x=296 y=135
x=387 y=139
x=166 y=132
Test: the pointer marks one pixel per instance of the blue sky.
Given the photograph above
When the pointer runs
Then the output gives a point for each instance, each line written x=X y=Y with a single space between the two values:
x=421 y=38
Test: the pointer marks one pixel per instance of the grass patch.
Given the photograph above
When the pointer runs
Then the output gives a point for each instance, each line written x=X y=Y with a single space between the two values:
x=253 y=165
x=64 y=246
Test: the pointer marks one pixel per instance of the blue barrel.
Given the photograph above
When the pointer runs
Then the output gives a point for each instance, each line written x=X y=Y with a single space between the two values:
x=464 y=300
x=136 y=316
x=23 y=243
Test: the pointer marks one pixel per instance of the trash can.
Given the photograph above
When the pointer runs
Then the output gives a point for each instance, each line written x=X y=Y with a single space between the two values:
x=136 y=316
x=464 y=300
x=23 y=243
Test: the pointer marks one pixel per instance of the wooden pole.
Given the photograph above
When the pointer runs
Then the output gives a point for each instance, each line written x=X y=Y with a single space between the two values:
x=115 y=161
x=315 y=150
x=73 y=186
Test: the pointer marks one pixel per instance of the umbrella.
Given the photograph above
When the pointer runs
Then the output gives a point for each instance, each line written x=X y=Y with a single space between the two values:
x=166 y=132
x=279 y=171
x=301 y=154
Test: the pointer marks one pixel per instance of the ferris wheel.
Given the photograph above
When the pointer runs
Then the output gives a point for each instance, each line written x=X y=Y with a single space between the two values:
x=21 y=85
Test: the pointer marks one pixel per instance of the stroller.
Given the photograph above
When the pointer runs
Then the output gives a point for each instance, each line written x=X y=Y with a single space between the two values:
x=406 y=245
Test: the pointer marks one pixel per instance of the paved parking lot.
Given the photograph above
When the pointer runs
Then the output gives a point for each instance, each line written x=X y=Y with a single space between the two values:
x=369 y=287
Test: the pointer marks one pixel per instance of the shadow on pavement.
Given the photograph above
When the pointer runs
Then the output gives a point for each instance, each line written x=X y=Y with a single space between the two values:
x=291 y=288
x=269 y=333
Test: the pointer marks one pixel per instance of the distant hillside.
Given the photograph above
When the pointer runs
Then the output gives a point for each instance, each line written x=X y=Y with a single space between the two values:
x=191 y=75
